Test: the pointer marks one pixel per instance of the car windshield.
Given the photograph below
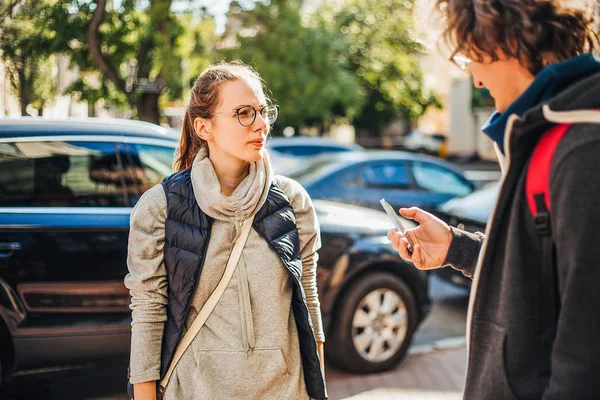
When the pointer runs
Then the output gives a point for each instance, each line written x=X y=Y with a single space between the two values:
x=307 y=172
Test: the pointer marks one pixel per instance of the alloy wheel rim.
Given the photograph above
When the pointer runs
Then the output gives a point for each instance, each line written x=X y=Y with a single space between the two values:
x=379 y=325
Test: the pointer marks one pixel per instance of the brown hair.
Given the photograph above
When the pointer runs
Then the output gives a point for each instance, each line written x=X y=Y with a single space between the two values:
x=536 y=32
x=204 y=99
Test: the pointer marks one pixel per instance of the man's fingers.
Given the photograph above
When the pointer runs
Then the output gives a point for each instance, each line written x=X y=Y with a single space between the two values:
x=416 y=214
x=395 y=239
x=411 y=234
x=403 y=250
x=417 y=257
x=391 y=233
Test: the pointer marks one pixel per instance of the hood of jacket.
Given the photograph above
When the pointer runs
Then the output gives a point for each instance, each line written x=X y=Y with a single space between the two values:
x=550 y=82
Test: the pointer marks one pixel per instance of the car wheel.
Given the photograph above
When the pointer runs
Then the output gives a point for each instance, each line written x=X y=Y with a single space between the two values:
x=374 y=325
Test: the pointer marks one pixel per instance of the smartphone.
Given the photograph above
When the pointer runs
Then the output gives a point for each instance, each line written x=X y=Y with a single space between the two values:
x=397 y=222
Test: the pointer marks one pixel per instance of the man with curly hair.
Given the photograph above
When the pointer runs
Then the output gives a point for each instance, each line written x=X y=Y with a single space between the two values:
x=534 y=312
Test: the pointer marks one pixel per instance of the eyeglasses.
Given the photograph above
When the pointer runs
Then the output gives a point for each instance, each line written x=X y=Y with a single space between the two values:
x=246 y=115
x=462 y=62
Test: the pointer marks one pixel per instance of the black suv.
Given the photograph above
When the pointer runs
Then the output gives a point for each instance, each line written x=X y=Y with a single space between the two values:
x=66 y=192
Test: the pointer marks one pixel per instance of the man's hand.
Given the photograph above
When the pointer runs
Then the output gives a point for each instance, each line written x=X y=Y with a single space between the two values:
x=431 y=238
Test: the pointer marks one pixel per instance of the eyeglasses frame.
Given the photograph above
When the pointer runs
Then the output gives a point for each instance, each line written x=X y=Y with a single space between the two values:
x=236 y=111
x=462 y=62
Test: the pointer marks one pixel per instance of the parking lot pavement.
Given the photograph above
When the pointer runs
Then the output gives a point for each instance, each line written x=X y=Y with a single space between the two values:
x=435 y=366
x=437 y=374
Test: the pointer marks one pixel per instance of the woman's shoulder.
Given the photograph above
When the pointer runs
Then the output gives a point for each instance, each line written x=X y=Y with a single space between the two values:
x=153 y=201
x=298 y=196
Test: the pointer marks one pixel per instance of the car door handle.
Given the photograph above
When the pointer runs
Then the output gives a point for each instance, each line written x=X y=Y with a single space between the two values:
x=10 y=248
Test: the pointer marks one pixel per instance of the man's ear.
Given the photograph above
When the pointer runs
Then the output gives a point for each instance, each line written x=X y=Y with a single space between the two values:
x=203 y=128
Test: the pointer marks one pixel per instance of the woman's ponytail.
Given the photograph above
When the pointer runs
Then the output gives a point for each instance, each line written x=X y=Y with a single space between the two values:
x=189 y=144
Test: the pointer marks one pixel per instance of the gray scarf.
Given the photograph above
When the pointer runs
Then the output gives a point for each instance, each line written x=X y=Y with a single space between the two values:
x=245 y=200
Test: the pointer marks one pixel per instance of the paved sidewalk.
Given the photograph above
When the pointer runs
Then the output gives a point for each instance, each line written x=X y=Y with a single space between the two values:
x=437 y=374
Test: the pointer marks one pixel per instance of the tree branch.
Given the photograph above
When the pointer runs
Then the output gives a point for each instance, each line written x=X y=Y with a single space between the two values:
x=95 y=49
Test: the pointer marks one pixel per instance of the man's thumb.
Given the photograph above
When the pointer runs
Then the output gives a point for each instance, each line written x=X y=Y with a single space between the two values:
x=414 y=213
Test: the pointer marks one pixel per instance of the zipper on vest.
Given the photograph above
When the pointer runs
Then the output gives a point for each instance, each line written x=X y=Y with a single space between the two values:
x=246 y=308
x=247 y=322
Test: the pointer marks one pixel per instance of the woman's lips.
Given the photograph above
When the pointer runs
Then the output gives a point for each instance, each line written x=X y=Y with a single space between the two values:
x=257 y=143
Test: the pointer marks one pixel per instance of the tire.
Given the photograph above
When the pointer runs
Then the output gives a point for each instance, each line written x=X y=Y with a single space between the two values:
x=373 y=325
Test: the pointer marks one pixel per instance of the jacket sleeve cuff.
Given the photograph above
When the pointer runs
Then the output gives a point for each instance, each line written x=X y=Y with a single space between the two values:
x=145 y=377
x=464 y=251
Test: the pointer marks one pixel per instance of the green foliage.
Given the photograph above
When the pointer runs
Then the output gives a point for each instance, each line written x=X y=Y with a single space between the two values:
x=137 y=42
x=25 y=49
x=44 y=86
x=353 y=60
x=384 y=56
x=196 y=46
x=303 y=65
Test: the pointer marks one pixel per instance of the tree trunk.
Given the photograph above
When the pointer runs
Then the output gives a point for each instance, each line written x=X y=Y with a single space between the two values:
x=147 y=107
x=94 y=44
x=24 y=94
x=91 y=106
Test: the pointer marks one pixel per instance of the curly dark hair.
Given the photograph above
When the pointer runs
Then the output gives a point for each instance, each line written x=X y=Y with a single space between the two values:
x=536 y=32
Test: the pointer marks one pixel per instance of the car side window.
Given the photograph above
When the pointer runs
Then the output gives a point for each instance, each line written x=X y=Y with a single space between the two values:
x=389 y=175
x=436 y=179
x=60 y=174
x=145 y=166
x=307 y=150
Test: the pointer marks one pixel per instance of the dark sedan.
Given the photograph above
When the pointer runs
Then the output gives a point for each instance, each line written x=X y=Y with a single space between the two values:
x=66 y=191
x=469 y=213
x=363 y=178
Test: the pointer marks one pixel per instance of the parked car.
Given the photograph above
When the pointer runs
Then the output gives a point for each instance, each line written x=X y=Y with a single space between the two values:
x=288 y=153
x=67 y=189
x=363 y=178
x=469 y=213
x=433 y=144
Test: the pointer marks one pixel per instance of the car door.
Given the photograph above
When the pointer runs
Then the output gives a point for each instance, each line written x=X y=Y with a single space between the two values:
x=64 y=218
x=438 y=184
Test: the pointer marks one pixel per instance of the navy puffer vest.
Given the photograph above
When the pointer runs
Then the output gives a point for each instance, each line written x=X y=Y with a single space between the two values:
x=187 y=233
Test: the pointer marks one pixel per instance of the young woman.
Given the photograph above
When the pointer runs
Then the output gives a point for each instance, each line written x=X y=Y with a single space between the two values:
x=264 y=338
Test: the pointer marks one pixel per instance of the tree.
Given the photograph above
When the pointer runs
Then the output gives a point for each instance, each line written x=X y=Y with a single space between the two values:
x=303 y=65
x=25 y=48
x=132 y=47
x=384 y=56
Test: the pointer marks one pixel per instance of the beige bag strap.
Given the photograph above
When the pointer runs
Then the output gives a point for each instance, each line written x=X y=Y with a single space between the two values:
x=212 y=301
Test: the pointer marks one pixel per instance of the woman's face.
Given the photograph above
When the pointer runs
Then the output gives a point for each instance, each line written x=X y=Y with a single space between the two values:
x=506 y=79
x=228 y=139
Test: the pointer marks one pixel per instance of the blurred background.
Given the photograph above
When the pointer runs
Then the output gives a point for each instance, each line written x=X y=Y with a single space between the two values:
x=353 y=70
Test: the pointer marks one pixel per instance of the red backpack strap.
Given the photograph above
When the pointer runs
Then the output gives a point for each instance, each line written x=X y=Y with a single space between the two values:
x=537 y=190
x=538 y=174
